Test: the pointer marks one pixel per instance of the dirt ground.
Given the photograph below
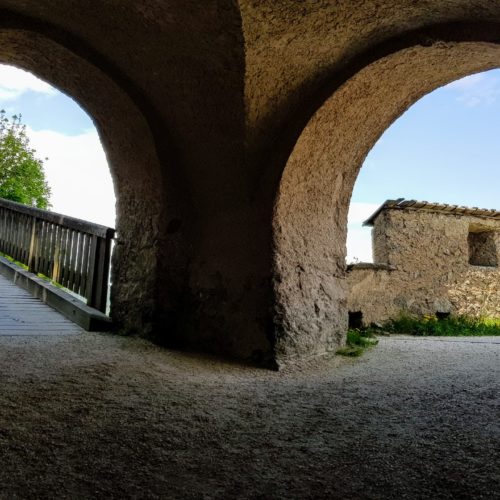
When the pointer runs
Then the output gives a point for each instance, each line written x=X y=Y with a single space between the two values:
x=98 y=416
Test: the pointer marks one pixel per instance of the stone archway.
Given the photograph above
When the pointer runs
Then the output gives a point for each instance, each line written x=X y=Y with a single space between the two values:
x=310 y=215
x=144 y=234
x=234 y=134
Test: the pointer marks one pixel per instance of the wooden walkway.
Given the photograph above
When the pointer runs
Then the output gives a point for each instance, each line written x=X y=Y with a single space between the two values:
x=23 y=314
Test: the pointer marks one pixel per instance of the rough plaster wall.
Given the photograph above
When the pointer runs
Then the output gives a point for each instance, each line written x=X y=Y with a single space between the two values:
x=380 y=248
x=182 y=66
x=311 y=208
x=371 y=292
x=431 y=255
x=221 y=94
x=421 y=240
x=299 y=53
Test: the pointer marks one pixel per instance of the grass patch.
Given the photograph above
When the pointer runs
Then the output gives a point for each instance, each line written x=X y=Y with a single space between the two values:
x=446 y=327
x=42 y=276
x=51 y=281
x=14 y=261
x=25 y=267
x=357 y=342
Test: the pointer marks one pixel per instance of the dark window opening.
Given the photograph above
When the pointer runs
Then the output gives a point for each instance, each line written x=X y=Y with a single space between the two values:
x=355 y=319
x=442 y=315
x=483 y=249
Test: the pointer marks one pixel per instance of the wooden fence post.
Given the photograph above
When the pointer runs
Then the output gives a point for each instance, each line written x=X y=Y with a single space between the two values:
x=97 y=286
x=33 y=247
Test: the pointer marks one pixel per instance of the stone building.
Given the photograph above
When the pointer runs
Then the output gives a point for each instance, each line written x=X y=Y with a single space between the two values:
x=428 y=259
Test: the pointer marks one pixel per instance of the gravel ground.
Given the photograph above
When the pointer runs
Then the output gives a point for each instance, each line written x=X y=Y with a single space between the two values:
x=96 y=416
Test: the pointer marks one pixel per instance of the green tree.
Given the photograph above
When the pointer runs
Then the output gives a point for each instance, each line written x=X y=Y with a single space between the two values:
x=22 y=177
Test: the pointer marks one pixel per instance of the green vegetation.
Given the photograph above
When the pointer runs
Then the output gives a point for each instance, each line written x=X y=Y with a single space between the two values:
x=450 y=326
x=22 y=177
x=359 y=339
x=10 y=259
x=357 y=342
x=25 y=267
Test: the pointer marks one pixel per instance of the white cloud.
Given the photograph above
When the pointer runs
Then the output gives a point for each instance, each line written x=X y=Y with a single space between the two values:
x=359 y=212
x=78 y=174
x=476 y=89
x=359 y=245
x=359 y=240
x=14 y=82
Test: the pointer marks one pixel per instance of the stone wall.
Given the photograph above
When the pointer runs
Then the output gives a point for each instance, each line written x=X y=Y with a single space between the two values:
x=483 y=249
x=235 y=134
x=477 y=293
x=370 y=292
x=427 y=267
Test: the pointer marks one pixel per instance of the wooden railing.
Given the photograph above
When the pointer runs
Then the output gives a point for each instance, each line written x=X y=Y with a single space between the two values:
x=72 y=252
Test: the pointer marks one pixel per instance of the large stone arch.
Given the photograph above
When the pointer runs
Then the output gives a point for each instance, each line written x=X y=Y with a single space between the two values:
x=200 y=110
x=171 y=77
x=310 y=212
x=145 y=290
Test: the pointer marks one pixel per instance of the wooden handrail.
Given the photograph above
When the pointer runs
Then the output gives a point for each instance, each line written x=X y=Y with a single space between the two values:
x=60 y=219
x=72 y=252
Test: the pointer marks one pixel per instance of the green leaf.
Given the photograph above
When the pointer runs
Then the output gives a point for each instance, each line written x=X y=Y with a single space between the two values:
x=22 y=176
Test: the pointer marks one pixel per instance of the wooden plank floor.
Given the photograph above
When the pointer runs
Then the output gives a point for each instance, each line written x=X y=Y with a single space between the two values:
x=23 y=314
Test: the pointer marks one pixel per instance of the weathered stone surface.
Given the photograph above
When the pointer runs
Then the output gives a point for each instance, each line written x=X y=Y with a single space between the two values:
x=234 y=132
x=311 y=208
x=430 y=255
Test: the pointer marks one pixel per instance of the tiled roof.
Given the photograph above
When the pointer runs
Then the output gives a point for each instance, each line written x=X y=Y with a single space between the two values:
x=402 y=204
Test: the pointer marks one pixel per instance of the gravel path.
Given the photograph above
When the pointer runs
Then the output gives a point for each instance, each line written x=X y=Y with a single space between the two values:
x=96 y=416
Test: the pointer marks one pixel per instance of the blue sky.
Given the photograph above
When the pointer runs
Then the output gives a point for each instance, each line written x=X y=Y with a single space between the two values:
x=445 y=148
x=42 y=106
x=51 y=112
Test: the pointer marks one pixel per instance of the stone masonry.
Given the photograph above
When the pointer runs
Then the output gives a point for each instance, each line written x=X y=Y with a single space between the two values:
x=428 y=259
x=234 y=134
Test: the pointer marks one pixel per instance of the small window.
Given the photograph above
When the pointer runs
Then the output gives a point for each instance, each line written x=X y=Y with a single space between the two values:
x=441 y=316
x=355 y=319
x=482 y=249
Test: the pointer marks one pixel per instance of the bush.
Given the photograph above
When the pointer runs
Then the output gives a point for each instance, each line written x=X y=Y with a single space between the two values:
x=451 y=326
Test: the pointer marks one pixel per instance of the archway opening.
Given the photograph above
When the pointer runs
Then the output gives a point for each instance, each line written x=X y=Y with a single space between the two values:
x=52 y=158
x=310 y=219
x=145 y=286
x=415 y=258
